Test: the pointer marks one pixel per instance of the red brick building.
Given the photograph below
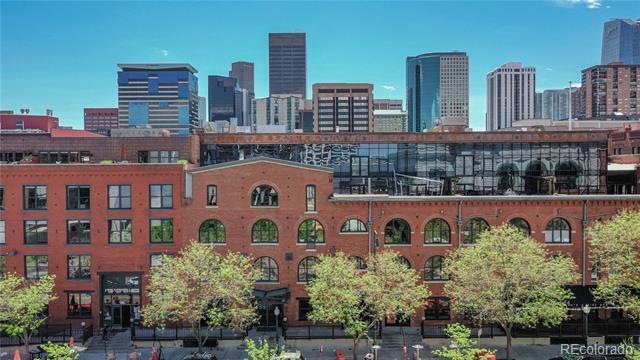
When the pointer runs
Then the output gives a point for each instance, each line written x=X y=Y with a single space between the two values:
x=611 y=89
x=100 y=118
x=44 y=123
x=279 y=212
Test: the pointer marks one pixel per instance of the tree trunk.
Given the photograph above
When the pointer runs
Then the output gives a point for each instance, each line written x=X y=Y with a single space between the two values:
x=26 y=338
x=356 y=340
x=507 y=331
x=199 y=337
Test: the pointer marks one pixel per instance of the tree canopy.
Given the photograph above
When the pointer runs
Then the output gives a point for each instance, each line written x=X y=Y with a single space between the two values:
x=509 y=279
x=615 y=251
x=200 y=285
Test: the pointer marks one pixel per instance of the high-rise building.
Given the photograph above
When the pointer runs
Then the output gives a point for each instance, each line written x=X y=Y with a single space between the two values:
x=387 y=104
x=158 y=95
x=288 y=63
x=222 y=102
x=100 y=119
x=389 y=121
x=621 y=42
x=437 y=90
x=538 y=106
x=242 y=106
x=511 y=90
x=280 y=110
x=243 y=72
x=202 y=111
x=341 y=107
x=611 y=90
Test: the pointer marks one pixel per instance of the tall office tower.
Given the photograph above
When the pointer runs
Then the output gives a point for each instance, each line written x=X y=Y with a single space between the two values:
x=387 y=104
x=288 y=63
x=538 y=106
x=158 y=95
x=343 y=107
x=511 y=94
x=100 y=119
x=389 y=121
x=202 y=111
x=242 y=106
x=277 y=113
x=222 y=99
x=243 y=72
x=621 y=42
x=611 y=89
x=437 y=90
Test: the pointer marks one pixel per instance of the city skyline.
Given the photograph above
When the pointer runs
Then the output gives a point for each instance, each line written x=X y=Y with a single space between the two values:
x=38 y=64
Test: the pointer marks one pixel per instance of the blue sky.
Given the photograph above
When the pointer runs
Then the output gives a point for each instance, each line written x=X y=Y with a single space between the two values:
x=63 y=55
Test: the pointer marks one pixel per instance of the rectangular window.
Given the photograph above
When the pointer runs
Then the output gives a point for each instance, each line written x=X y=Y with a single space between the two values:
x=119 y=196
x=1 y=197
x=311 y=198
x=2 y=233
x=79 y=304
x=78 y=232
x=304 y=308
x=438 y=308
x=35 y=232
x=156 y=260
x=161 y=230
x=212 y=195
x=78 y=197
x=35 y=197
x=79 y=267
x=36 y=266
x=161 y=196
x=120 y=231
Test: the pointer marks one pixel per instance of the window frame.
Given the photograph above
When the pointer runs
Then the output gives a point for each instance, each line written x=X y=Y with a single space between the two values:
x=437 y=308
x=310 y=195
x=2 y=197
x=435 y=265
x=119 y=197
x=81 y=235
x=473 y=233
x=347 y=223
x=319 y=230
x=215 y=190
x=513 y=221
x=254 y=196
x=408 y=229
x=37 y=268
x=443 y=229
x=121 y=232
x=262 y=231
x=162 y=197
x=219 y=225
x=81 y=314
x=46 y=233
x=80 y=267
x=79 y=198
x=549 y=238
x=303 y=312
x=306 y=274
x=258 y=264
x=3 y=232
x=37 y=198
x=162 y=221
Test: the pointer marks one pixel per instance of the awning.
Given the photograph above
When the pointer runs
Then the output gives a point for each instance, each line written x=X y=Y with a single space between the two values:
x=613 y=167
x=275 y=295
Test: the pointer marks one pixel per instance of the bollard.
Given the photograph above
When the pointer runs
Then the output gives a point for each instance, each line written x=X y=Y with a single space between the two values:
x=321 y=349
x=404 y=352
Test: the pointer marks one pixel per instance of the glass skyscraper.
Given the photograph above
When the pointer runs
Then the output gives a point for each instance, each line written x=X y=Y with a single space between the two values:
x=437 y=90
x=162 y=96
x=621 y=42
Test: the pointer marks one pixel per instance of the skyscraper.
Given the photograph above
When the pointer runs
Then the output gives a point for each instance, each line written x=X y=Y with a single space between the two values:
x=437 y=90
x=221 y=97
x=511 y=91
x=621 y=42
x=611 y=90
x=343 y=107
x=277 y=111
x=202 y=110
x=158 y=95
x=288 y=63
x=387 y=104
x=243 y=72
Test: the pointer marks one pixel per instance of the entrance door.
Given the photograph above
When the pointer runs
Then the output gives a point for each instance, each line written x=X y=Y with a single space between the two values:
x=268 y=318
x=126 y=315
x=116 y=315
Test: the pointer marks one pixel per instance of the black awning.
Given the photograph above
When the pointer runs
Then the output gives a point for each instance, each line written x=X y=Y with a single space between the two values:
x=583 y=296
x=274 y=295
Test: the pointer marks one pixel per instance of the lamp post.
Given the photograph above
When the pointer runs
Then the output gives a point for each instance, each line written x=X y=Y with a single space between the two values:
x=375 y=351
x=586 y=309
x=276 y=312
x=418 y=347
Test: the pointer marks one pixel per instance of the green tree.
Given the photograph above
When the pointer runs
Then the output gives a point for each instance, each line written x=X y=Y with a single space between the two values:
x=22 y=305
x=615 y=248
x=462 y=346
x=264 y=351
x=201 y=286
x=342 y=295
x=60 y=351
x=509 y=279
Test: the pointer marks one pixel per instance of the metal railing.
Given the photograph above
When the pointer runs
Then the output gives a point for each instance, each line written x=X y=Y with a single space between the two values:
x=56 y=333
x=182 y=333
x=322 y=332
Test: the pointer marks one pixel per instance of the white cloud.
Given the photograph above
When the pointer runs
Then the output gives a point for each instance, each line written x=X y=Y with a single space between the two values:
x=164 y=52
x=389 y=87
x=591 y=4
x=548 y=69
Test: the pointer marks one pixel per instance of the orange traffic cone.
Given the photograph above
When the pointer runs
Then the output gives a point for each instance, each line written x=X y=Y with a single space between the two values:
x=16 y=355
x=71 y=341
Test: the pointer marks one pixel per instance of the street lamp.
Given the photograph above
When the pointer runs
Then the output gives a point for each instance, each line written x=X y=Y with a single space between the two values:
x=586 y=309
x=375 y=351
x=276 y=312
x=418 y=347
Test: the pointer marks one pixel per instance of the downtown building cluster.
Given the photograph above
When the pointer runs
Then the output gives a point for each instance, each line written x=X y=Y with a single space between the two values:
x=285 y=179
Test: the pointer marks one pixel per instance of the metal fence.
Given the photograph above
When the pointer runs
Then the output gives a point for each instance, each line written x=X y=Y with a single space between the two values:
x=56 y=333
x=141 y=333
x=321 y=332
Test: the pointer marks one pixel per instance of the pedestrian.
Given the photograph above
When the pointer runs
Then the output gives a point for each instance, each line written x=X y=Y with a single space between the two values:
x=111 y=356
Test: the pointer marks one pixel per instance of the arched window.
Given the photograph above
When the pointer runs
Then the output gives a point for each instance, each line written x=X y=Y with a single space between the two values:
x=264 y=231
x=397 y=231
x=360 y=263
x=437 y=231
x=567 y=173
x=507 y=175
x=268 y=269
x=264 y=195
x=473 y=228
x=212 y=231
x=404 y=261
x=434 y=269
x=521 y=224
x=353 y=226
x=306 y=272
x=557 y=231
x=310 y=230
x=536 y=181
